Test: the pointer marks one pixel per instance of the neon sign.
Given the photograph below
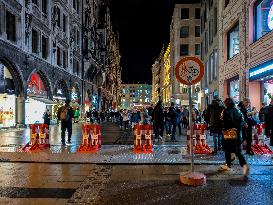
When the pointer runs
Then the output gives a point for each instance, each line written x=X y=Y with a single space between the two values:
x=270 y=18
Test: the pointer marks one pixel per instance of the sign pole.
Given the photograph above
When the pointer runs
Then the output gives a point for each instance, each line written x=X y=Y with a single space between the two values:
x=191 y=128
x=189 y=71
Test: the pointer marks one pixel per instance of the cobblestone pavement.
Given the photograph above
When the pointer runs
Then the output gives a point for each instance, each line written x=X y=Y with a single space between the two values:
x=39 y=183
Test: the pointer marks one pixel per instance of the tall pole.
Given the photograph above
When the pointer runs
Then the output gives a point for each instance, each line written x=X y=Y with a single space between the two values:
x=191 y=128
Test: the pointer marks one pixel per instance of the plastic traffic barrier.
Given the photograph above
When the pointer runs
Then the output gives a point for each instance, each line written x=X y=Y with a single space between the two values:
x=200 y=145
x=39 y=138
x=91 y=138
x=143 y=139
x=258 y=143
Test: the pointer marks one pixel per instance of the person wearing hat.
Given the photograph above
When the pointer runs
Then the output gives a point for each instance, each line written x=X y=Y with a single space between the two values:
x=65 y=115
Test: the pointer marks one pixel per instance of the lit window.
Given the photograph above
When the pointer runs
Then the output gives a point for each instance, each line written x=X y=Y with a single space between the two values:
x=233 y=41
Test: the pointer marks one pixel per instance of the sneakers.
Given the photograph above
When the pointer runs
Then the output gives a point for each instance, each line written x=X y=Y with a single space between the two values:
x=245 y=170
x=225 y=167
x=69 y=143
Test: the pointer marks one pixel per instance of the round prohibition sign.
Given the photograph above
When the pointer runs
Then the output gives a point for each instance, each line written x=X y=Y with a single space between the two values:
x=189 y=70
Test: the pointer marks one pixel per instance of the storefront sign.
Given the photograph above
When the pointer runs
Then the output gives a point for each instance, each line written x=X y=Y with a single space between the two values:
x=270 y=18
x=261 y=71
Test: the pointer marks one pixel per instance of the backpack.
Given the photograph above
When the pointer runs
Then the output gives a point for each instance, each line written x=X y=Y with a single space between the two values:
x=64 y=114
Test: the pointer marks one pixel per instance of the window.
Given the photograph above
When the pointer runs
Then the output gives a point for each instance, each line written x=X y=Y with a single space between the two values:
x=184 y=13
x=10 y=26
x=76 y=5
x=210 y=4
x=211 y=67
x=78 y=37
x=35 y=41
x=184 y=50
x=197 y=49
x=64 y=23
x=206 y=42
x=184 y=32
x=226 y=3
x=263 y=18
x=215 y=64
x=58 y=17
x=197 y=13
x=197 y=31
x=35 y=2
x=211 y=32
x=64 y=58
x=233 y=41
x=44 y=6
x=59 y=56
x=215 y=21
x=44 y=47
x=76 y=67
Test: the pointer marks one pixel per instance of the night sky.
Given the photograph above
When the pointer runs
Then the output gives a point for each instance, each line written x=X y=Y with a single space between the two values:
x=144 y=27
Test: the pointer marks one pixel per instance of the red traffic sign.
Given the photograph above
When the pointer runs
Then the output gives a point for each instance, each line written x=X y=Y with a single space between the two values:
x=189 y=70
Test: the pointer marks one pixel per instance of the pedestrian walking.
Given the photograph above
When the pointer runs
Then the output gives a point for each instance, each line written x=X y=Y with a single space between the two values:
x=158 y=120
x=125 y=119
x=65 y=115
x=185 y=117
x=172 y=114
x=250 y=122
x=269 y=122
x=262 y=112
x=233 y=122
x=178 y=120
x=214 y=113
x=46 y=117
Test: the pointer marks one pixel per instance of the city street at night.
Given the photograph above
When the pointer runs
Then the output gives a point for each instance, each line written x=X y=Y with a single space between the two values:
x=135 y=102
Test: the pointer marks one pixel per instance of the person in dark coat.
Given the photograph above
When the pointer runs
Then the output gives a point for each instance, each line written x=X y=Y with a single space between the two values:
x=158 y=119
x=46 y=117
x=66 y=114
x=247 y=130
x=233 y=119
x=269 y=122
x=262 y=112
x=172 y=115
x=214 y=113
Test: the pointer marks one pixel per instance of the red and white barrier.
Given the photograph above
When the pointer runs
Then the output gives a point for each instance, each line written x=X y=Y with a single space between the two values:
x=200 y=145
x=91 y=138
x=143 y=139
x=258 y=145
x=39 y=138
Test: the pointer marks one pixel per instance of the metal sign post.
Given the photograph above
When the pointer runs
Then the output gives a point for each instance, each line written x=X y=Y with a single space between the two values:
x=191 y=126
x=189 y=71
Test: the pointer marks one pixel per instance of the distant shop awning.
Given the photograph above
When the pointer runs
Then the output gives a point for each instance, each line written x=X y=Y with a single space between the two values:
x=44 y=100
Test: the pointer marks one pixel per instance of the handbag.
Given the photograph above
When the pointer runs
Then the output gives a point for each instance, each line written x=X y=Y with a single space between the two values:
x=230 y=134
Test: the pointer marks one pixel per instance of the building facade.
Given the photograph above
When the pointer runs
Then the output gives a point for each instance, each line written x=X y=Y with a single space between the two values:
x=135 y=95
x=184 y=41
x=50 y=51
x=209 y=51
x=245 y=50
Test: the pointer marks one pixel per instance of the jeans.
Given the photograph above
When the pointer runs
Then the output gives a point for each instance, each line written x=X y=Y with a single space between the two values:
x=158 y=129
x=173 y=131
x=168 y=127
x=247 y=136
x=66 y=125
x=238 y=153
x=217 y=140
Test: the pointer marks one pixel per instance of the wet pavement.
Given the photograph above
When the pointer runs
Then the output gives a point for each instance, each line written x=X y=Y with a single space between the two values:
x=39 y=183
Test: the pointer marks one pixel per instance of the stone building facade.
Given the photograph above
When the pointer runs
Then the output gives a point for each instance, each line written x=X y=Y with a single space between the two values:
x=249 y=71
x=50 y=51
x=209 y=51
x=184 y=41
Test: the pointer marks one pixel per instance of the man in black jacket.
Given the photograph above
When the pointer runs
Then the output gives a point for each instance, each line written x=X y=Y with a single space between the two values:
x=172 y=115
x=66 y=114
x=214 y=112
x=269 y=122
x=158 y=118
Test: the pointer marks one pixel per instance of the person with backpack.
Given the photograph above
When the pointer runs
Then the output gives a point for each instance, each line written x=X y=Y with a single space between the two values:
x=233 y=122
x=65 y=115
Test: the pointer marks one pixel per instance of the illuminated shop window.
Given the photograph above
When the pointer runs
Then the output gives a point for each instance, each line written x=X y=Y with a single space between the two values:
x=233 y=41
x=263 y=13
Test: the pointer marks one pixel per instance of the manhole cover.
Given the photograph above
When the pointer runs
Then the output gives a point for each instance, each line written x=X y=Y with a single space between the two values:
x=176 y=151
